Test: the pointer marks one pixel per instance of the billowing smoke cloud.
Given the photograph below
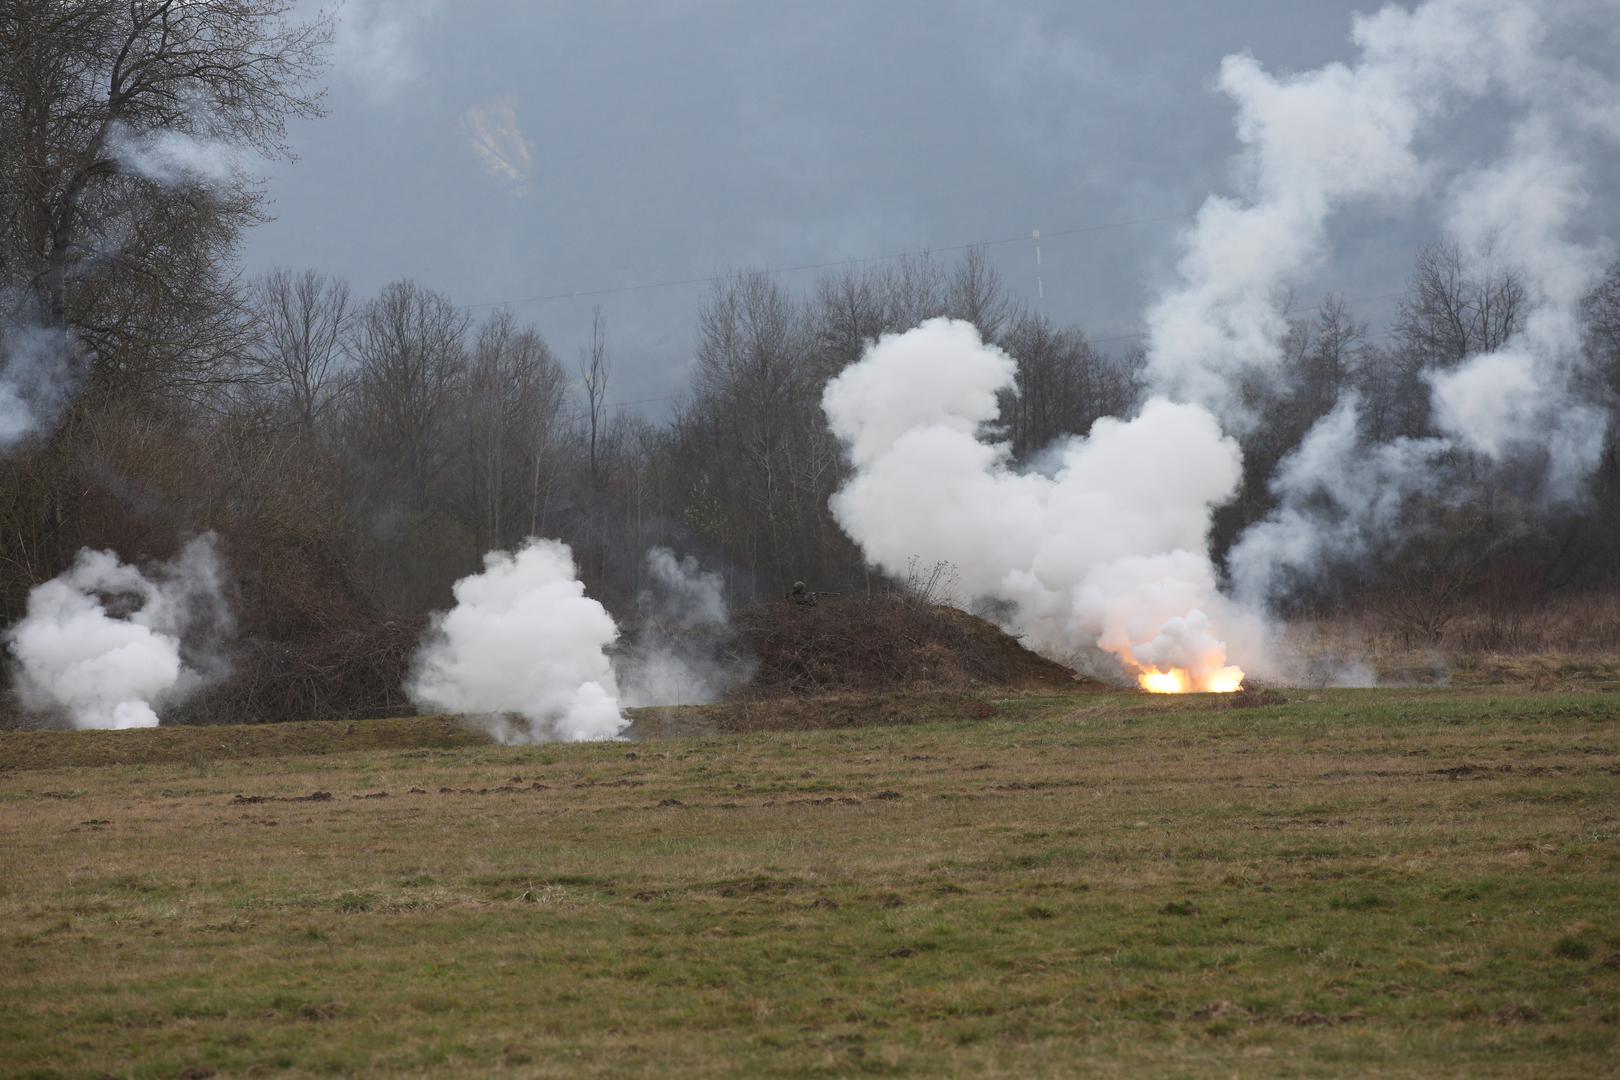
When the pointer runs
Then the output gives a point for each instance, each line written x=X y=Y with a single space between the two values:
x=1108 y=552
x=1521 y=399
x=523 y=640
x=681 y=653
x=1318 y=141
x=107 y=644
x=1312 y=143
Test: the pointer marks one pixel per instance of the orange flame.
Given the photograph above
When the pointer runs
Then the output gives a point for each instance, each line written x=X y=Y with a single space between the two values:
x=1224 y=680
x=1174 y=681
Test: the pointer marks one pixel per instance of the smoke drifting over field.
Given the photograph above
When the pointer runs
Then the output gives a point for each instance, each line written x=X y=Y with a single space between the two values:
x=108 y=644
x=1521 y=399
x=360 y=449
x=1339 y=499
x=523 y=640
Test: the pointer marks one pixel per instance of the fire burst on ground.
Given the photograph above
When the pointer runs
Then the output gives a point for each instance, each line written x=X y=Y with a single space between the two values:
x=1226 y=680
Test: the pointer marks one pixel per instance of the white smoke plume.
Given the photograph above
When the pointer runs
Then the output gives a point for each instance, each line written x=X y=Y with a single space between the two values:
x=1318 y=141
x=36 y=371
x=523 y=640
x=1338 y=500
x=1111 y=549
x=680 y=653
x=107 y=644
x=1520 y=399
x=173 y=158
x=1108 y=553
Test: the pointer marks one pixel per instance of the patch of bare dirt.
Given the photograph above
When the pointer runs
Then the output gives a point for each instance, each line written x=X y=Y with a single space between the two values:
x=249 y=800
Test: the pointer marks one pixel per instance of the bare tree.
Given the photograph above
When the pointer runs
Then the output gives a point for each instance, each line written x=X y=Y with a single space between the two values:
x=511 y=410
x=1602 y=311
x=974 y=292
x=1455 y=309
x=848 y=313
x=1336 y=348
x=411 y=357
x=121 y=201
x=1064 y=384
x=300 y=324
x=913 y=288
x=594 y=371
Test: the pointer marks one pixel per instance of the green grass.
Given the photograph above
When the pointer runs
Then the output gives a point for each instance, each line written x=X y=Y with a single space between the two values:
x=1384 y=882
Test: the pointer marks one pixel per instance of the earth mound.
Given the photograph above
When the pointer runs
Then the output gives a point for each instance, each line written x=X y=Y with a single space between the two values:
x=864 y=644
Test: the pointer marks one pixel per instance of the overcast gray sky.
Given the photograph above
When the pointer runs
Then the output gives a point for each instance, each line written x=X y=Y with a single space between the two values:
x=503 y=149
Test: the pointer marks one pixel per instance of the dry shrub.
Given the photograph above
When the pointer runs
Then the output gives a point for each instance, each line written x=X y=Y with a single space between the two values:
x=313 y=643
x=1573 y=624
x=347 y=672
x=312 y=639
x=1541 y=641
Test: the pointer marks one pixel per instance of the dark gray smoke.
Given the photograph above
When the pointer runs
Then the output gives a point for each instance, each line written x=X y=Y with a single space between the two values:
x=681 y=653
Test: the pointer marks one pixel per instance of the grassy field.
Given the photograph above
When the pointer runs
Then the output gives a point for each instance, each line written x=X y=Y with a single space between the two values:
x=1416 y=883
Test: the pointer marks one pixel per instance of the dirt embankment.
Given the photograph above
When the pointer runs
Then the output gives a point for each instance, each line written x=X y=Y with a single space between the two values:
x=885 y=643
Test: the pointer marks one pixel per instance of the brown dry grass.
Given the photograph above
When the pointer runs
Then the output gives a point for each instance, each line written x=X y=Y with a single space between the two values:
x=1570 y=642
x=196 y=744
x=1395 y=883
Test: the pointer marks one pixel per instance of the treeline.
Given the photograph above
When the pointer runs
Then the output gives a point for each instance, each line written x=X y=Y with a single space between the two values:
x=1488 y=532
x=358 y=454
